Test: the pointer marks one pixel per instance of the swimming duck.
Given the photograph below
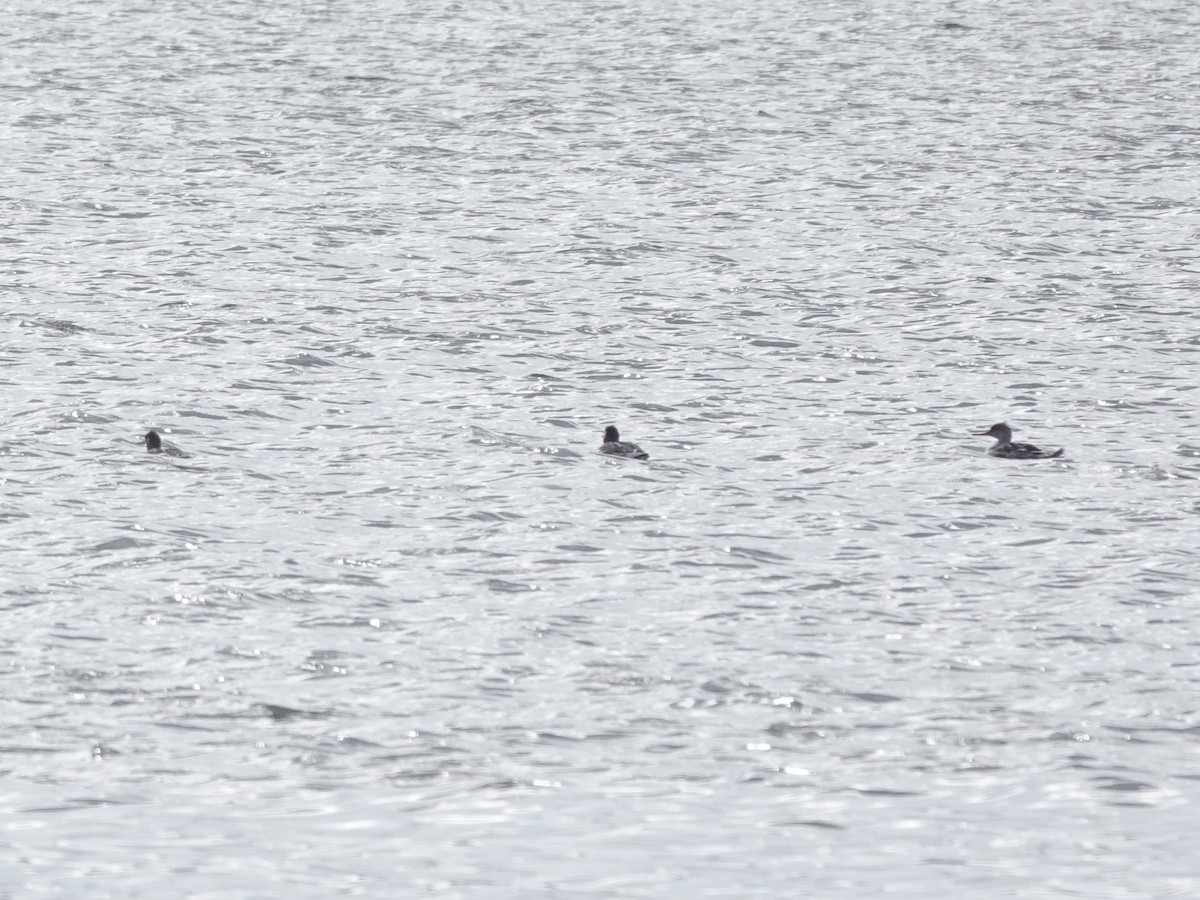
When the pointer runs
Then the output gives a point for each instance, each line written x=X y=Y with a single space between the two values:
x=1006 y=449
x=617 y=447
x=154 y=444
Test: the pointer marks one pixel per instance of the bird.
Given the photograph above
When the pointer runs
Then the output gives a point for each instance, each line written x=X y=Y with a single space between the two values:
x=1006 y=449
x=154 y=444
x=614 y=446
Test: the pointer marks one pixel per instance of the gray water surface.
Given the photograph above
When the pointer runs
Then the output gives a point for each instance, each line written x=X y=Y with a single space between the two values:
x=395 y=628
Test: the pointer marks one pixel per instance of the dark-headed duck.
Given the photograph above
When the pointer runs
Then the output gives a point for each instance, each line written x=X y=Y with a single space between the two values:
x=1006 y=449
x=154 y=444
x=614 y=446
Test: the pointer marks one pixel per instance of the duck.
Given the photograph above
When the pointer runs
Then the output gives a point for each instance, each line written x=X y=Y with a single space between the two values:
x=154 y=444
x=1006 y=449
x=614 y=446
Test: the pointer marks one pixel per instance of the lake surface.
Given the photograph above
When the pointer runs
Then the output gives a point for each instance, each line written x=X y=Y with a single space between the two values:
x=395 y=628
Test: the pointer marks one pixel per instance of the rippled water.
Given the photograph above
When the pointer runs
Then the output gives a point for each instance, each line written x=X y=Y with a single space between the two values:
x=395 y=628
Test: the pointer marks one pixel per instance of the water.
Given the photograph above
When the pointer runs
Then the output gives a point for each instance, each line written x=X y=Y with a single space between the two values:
x=395 y=628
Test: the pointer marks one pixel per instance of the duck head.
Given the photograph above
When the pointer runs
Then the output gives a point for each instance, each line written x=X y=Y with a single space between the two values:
x=1000 y=432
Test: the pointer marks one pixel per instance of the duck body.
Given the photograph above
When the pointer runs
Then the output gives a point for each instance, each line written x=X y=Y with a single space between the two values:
x=614 y=446
x=1006 y=448
x=1023 y=451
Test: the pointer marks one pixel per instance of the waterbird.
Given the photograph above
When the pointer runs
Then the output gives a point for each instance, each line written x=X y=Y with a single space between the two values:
x=617 y=447
x=1006 y=449
x=154 y=444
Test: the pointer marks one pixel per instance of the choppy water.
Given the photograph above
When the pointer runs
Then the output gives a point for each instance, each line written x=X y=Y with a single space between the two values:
x=395 y=628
